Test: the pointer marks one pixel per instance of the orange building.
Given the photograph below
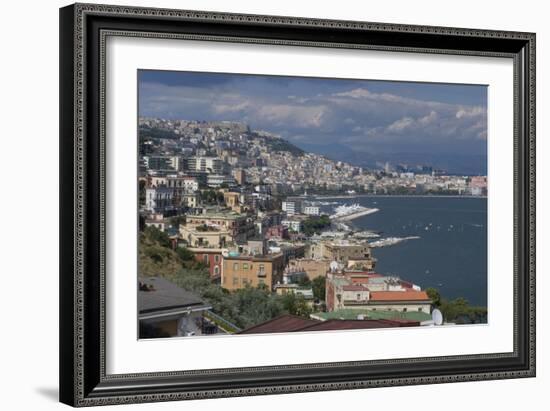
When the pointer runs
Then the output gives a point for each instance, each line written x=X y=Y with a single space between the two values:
x=241 y=271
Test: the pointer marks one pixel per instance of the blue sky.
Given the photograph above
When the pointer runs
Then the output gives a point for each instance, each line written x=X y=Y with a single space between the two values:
x=396 y=121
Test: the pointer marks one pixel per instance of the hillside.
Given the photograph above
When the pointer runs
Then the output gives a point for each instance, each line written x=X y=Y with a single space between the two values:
x=156 y=259
x=276 y=144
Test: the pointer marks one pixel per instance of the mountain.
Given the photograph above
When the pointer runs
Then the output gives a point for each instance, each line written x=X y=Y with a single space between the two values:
x=453 y=163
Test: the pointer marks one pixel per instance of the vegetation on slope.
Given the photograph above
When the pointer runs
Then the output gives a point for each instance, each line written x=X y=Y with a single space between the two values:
x=244 y=308
x=458 y=310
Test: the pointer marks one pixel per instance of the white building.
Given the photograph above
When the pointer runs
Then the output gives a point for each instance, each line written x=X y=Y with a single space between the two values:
x=206 y=164
x=158 y=162
x=292 y=207
x=158 y=199
x=190 y=200
x=292 y=225
x=312 y=210
x=189 y=184
x=217 y=180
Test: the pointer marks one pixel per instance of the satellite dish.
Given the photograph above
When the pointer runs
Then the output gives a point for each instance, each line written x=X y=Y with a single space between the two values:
x=437 y=317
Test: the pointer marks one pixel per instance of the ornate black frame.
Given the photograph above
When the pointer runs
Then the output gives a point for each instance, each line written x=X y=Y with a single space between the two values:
x=83 y=30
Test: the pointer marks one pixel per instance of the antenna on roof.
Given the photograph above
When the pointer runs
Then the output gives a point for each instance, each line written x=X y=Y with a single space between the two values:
x=437 y=317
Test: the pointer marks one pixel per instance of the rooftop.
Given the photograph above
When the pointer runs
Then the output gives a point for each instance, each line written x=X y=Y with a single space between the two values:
x=359 y=324
x=230 y=215
x=158 y=297
x=266 y=257
x=352 y=314
x=291 y=323
x=354 y=288
x=282 y=323
x=408 y=295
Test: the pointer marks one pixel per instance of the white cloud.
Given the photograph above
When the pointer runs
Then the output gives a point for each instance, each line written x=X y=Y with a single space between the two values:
x=465 y=112
x=360 y=114
x=401 y=124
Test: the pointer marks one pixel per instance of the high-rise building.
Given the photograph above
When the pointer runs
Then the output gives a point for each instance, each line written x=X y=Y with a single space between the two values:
x=240 y=176
x=292 y=207
x=205 y=164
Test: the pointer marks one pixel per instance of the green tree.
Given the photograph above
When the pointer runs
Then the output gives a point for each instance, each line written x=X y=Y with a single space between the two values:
x=434 y=295
x=185 y=254
x=154 y=234
x=316 y=224
x=319 y=287
x=255 y=305
x=141 y=192
x=296 y=304
x=304 y=281
x=177 y=221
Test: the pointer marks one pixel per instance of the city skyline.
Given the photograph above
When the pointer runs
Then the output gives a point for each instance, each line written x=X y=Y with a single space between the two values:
x=363 y=122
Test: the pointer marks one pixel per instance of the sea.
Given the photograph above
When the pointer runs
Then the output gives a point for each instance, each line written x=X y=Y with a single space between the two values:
x=451 y=253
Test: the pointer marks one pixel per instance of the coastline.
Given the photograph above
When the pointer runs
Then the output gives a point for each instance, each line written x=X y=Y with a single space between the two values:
x=343 y=197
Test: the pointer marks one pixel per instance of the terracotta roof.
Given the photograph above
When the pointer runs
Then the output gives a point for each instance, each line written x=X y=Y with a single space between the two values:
x=291 y=323
x=281 y=324
x=399 y=296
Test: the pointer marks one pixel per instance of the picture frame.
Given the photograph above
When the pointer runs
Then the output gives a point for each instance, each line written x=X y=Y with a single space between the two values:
x=84 y=380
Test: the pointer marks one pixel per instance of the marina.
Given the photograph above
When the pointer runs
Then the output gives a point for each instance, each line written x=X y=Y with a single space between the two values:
x=351 y=212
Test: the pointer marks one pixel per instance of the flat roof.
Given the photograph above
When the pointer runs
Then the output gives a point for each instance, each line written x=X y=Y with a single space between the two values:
x=268 y=257
x=164 y=297
x=220 y=215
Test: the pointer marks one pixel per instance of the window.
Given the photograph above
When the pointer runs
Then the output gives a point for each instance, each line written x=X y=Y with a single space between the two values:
x=262 y=268
x=217 y=258
x=235 y=281
x=419 y=309
x=405 y=309
x=205 y=258
x=235 y=266
x=358 y=297
x=216 y=270
x=245 y=266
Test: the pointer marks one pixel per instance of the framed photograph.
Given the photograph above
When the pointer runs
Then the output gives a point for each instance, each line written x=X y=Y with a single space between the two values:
x=262 y=204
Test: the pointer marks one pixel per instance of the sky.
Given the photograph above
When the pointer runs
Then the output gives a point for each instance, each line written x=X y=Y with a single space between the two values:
x=361 y=121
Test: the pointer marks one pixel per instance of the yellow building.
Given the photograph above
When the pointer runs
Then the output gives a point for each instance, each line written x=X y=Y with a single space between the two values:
x=343 y=252
x=240 y=271
x=231 y=199
x=240 y=227
x=313 y=267
x=205 y=236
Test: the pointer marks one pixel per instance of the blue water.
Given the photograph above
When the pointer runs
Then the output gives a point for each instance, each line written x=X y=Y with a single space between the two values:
x=451 y=254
